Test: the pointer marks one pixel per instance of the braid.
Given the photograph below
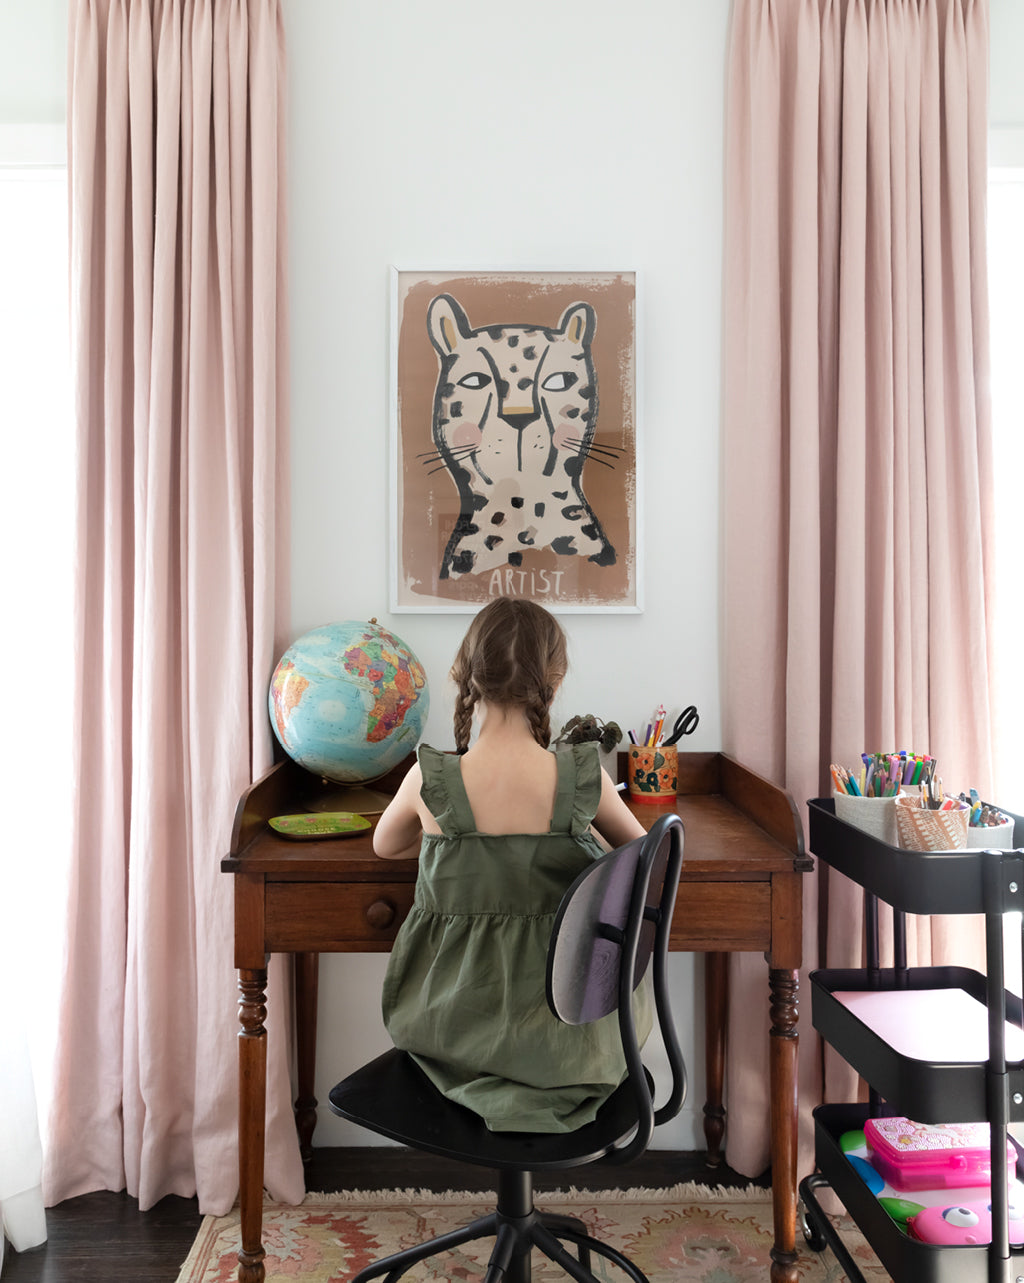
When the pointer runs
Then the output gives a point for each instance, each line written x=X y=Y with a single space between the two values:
x=465 y=701
x=537 y=714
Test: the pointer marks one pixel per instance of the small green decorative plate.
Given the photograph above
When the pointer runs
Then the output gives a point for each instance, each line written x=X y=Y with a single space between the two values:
x=320 y=824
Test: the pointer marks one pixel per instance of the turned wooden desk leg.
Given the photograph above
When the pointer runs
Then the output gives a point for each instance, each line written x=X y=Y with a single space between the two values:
x=782 y=1068
x=307 y=977
x=716 y=1014
x=252 y=1108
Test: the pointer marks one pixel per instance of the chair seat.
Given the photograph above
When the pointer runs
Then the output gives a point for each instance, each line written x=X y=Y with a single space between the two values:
x=393 y=1097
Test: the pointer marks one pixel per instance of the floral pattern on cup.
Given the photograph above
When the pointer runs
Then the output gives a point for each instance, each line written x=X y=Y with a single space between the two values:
x=652 y=773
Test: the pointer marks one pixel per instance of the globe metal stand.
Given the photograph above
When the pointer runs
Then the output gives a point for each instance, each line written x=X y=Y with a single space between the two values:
x=352 y=797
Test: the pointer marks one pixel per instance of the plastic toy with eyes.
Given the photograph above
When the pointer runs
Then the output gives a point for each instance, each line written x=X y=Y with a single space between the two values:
x=967 y=1223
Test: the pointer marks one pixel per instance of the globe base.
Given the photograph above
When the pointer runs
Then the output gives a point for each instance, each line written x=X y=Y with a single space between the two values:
x=352 y=797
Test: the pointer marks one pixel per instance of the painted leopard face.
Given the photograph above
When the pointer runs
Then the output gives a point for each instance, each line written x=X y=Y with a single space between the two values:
x=513 y=398
x=514 y=416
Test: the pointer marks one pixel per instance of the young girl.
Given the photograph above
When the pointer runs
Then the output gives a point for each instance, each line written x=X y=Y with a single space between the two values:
x=502 y=830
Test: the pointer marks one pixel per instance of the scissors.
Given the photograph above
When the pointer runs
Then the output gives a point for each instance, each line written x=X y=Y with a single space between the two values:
x=685 y=724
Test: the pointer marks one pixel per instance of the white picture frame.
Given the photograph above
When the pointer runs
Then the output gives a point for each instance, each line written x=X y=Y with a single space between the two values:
x=514 y=439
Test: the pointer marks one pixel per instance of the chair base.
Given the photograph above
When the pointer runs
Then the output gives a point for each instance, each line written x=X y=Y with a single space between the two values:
x=517 y=1228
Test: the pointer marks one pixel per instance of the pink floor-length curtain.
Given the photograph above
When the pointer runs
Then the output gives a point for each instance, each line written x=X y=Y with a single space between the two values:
x=857 y=463
x=177 y=203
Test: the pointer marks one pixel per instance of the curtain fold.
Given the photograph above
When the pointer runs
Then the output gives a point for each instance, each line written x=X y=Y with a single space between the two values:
x=177 y=211
x=857 y=541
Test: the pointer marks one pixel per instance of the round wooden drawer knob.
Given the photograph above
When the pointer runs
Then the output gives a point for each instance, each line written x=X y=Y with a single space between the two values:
x=380 y=914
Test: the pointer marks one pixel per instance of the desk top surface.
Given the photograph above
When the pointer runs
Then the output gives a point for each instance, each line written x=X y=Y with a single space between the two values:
x=737 y=825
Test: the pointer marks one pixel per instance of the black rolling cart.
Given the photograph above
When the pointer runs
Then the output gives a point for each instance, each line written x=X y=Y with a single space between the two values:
x=970 y=1087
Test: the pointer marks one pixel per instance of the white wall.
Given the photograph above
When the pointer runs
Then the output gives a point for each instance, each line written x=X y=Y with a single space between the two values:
x=1006 y=31
x=580 y=133
x=33 y=61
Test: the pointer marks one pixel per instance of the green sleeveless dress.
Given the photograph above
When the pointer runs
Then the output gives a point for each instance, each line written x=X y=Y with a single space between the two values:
x=464 y=989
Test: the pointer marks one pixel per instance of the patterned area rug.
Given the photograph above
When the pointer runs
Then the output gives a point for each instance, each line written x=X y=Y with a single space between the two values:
x=687 y=1234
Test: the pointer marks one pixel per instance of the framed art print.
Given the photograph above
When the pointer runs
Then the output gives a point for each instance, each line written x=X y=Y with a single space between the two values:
x=514 y=439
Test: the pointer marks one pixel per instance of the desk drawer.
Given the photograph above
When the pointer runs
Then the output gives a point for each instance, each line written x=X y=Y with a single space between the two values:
x=364 y=917
x=722 y=916
x=335 y=917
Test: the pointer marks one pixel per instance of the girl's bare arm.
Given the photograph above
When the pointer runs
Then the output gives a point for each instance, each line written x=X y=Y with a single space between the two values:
x=399 y=830
x=614 y=821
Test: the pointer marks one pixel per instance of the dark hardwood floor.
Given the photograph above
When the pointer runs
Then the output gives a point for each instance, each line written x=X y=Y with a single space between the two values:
x=104 y=1238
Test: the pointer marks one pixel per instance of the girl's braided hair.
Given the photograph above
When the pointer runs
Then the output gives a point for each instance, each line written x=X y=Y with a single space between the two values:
x=513 y=654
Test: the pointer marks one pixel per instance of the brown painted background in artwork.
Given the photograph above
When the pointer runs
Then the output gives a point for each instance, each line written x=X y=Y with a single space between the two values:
x=428 y=500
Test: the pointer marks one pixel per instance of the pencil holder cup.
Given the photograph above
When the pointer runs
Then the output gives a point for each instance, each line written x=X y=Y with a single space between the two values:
x=652 y=773
x=874 y=815
x=921 y=829
x=990 y=837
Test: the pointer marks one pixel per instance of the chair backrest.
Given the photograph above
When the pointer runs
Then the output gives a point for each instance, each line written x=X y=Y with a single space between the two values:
x=612 y=924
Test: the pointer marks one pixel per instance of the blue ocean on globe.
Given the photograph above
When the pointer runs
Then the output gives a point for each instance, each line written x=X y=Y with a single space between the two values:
x=349 y=701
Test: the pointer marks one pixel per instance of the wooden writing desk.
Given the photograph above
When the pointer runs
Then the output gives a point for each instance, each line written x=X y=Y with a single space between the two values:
x=743 y=859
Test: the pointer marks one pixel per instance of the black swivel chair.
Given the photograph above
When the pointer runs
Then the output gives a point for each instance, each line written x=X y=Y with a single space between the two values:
x=612 y=921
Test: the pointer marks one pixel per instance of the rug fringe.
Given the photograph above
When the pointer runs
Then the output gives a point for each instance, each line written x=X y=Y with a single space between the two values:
x=690 y=1192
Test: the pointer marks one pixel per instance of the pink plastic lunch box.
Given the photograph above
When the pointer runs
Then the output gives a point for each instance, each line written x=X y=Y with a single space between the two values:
x=924 y=1156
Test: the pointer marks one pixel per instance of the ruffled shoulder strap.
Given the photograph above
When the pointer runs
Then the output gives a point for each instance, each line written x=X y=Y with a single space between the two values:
x=443 y=792
x=579 y=789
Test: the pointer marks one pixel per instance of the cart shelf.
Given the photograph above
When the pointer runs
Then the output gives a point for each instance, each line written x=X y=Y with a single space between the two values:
x=913 y=881
x=919 y=1036
x=902 y=1256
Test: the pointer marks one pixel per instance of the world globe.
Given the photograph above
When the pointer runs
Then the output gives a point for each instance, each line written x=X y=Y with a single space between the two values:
x=348 y=701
